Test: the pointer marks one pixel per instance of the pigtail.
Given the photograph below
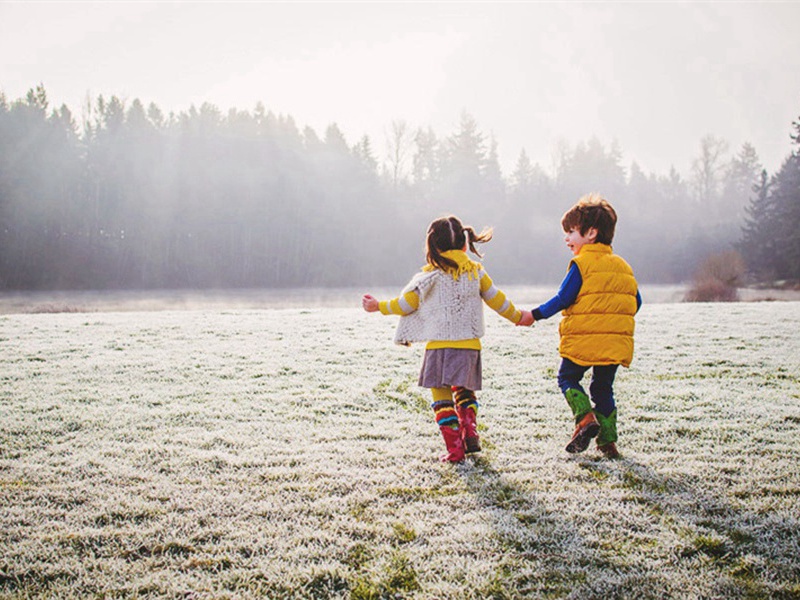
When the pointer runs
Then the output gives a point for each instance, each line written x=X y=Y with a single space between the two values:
x=473 y=238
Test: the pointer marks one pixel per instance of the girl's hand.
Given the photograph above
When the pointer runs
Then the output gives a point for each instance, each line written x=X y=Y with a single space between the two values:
x=369 y=303
x=526 y=320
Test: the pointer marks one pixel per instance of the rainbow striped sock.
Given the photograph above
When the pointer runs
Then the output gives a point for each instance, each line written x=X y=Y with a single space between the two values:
x=444 y=412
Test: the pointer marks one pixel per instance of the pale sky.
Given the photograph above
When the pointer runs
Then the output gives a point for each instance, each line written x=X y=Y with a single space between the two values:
x=654 y=77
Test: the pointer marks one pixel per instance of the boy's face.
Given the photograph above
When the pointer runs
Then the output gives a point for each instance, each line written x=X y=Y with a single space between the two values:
x=576 y=240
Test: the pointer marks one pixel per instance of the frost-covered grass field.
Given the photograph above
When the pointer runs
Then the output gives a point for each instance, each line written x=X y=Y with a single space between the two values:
x=290 y=454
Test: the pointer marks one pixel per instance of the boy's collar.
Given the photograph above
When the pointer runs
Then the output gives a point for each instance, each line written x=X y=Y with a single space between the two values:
x=596 y=247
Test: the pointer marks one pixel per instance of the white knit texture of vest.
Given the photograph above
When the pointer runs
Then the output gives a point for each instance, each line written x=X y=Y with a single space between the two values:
x=449 y=309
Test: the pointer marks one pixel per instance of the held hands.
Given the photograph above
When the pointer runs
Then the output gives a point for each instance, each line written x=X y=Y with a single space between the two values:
x=526 y=320
x=369 y=303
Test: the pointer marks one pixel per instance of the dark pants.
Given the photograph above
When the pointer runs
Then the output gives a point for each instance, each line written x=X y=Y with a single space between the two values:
x=601 y=390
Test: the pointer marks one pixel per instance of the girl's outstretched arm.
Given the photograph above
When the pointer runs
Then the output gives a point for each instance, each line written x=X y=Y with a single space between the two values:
x=497 y=300
x=402 y=305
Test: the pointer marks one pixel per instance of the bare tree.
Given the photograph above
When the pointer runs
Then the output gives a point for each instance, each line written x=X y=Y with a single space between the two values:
x=399 y=143
x=708 y=168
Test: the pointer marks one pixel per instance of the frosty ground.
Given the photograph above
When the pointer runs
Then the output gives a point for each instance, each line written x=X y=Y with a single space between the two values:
x=289 y=454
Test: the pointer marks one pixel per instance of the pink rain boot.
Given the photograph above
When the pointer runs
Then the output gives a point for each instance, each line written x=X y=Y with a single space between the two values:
x=469 y=429
x=455 y=447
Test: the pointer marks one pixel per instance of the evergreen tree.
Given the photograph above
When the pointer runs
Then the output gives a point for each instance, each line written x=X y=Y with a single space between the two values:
x=522 y=177
x=770 y=242
x=757 y=245
x=427 y=167
x=786 y=201
x=739 y=178
x=492 y=175
x=463 y=183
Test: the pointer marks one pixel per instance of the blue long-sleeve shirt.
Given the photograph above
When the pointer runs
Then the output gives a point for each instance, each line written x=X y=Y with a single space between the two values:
x=567 y=294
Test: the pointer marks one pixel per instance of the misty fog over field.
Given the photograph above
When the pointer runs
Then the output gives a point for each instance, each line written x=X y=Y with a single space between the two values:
x=138 y=199
x=525 y=296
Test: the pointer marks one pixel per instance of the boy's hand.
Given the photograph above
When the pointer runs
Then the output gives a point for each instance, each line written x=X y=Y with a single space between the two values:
x=369 y=303
x=526 y=320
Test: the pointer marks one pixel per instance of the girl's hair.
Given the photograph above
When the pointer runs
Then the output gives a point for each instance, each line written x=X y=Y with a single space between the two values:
x=592 y=210
x=447 y=233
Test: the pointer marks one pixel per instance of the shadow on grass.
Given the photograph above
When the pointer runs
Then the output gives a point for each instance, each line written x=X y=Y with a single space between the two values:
x=741 y=553
x=690 y=537
x=536 y=543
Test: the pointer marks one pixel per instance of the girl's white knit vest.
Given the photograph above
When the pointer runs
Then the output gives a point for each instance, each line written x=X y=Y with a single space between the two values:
x=449 y=309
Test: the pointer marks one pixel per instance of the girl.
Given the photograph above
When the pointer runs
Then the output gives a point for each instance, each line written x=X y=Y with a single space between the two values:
x=442 y=305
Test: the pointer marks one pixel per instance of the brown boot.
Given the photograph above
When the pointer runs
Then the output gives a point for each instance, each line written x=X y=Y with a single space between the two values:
x=608 y=450
x=586 y=429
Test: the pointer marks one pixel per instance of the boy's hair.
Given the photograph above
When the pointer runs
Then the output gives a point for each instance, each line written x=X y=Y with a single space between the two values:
x=447 y=233
x=592 y=210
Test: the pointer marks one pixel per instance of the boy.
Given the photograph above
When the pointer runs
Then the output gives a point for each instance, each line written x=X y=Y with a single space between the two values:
x=599 y=298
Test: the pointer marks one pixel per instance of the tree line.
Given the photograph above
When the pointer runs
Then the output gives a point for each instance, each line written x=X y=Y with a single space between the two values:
x=129 y=197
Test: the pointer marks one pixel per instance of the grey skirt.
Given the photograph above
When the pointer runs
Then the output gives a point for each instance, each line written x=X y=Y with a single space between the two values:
x=447 y=367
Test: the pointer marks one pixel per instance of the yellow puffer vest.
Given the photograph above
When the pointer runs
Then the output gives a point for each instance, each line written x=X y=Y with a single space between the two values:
x=598 y=328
